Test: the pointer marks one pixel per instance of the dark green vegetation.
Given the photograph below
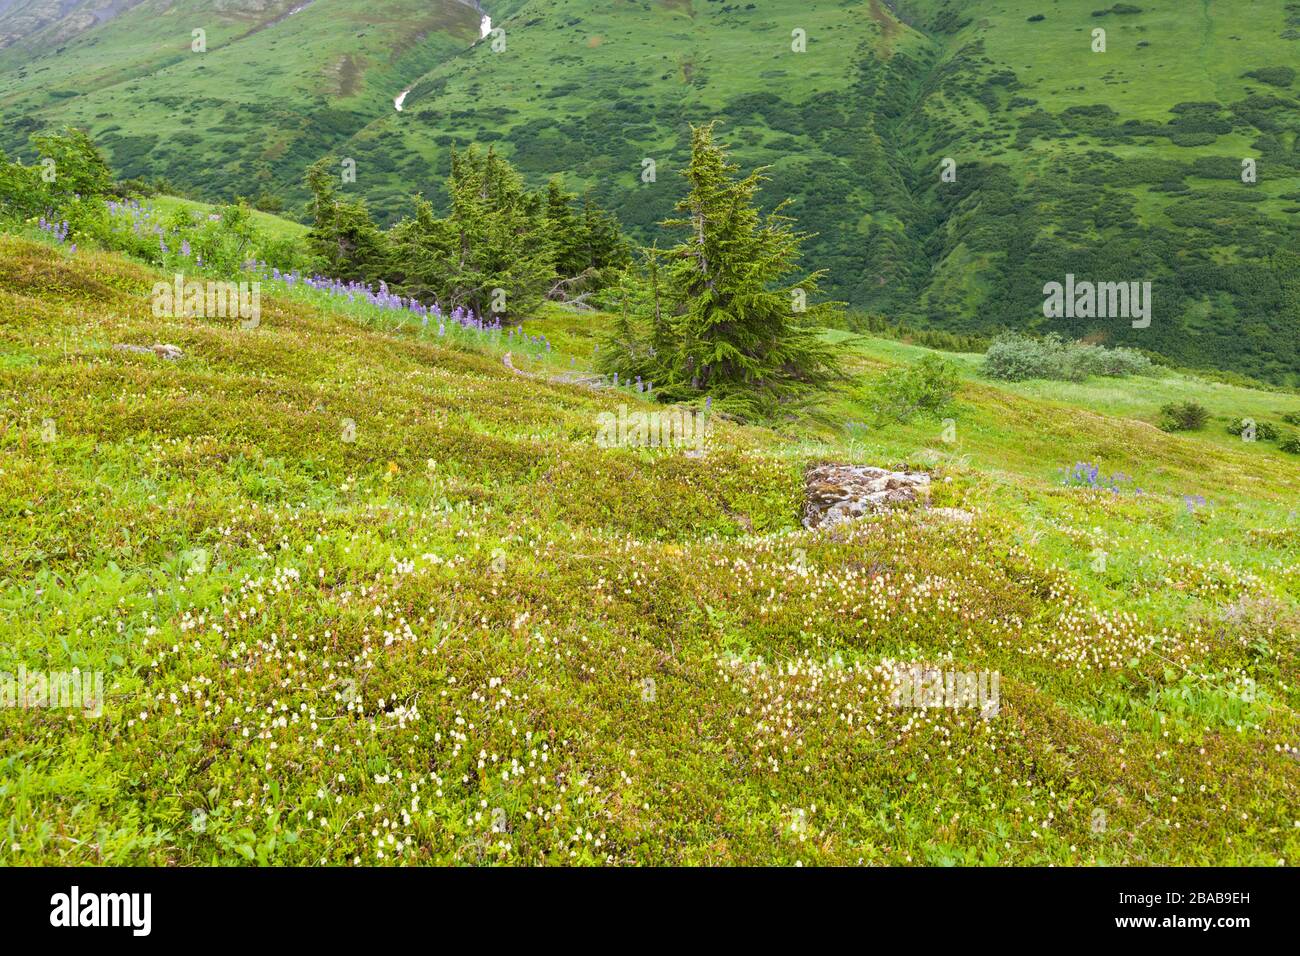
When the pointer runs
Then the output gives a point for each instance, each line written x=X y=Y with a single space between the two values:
x=1184 y=416
x=498 y=253
x=724 y=311
x=1112 y=166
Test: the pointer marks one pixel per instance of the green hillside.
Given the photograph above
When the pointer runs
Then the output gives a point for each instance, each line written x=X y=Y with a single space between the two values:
x=1129 y=170
x=464 y=632
x=1114 y=166
x=346 y=526
x=281 y=83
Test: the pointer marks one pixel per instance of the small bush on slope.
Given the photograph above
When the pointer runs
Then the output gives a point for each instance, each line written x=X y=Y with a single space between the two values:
x=1183 y=416
x=926 y=386
x=1014 y=358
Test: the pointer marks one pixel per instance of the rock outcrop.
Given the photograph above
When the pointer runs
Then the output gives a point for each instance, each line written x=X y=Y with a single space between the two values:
x=836 y=493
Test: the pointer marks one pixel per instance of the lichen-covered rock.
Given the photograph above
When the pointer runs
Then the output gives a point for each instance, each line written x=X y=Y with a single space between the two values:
x=836 y=493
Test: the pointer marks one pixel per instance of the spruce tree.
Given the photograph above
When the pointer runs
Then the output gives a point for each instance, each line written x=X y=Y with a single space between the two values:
x=498 y=231
x=604 y=247
x=422 y=247
x=589 y=246
x=728 y=308
x=344 y=239
x=565 y=231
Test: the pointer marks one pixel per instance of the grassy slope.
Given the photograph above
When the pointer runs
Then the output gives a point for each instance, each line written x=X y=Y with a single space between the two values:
x=1143 y=74
x=271 y=226
x=199 y=530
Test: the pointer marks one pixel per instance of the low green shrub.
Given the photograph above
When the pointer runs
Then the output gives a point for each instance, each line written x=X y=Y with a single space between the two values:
x=927 y=386
x=1264 y=431
x=1013 y=357
x=1183 y=416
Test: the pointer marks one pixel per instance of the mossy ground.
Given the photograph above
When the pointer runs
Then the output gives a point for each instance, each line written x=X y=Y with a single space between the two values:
x=473 y=635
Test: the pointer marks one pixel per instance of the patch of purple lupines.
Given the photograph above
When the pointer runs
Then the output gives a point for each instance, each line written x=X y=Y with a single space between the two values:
x=380 y=298
x=58 y=230
x=131 y=214
x=384 y=298
x=1085 y=474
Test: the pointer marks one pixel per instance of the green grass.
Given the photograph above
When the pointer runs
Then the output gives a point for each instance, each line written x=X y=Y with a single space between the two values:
x=268 y=225
x=1137 y=397
x=321 y=650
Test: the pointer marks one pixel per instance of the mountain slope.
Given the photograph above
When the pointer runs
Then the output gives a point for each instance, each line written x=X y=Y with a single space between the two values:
x=465 y=632
x=280 y=83
x=1117 y=166
x=46 y=24
x=1128 y=171
x=1114 y=166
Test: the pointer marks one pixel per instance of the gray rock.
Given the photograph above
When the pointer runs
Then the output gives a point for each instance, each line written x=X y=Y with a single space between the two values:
x=837 y=493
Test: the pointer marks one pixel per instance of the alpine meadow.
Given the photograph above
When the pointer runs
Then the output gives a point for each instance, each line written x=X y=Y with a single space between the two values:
x=657 y=433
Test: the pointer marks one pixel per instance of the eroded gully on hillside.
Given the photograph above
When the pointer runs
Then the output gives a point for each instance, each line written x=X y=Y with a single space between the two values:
x=485 y=27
